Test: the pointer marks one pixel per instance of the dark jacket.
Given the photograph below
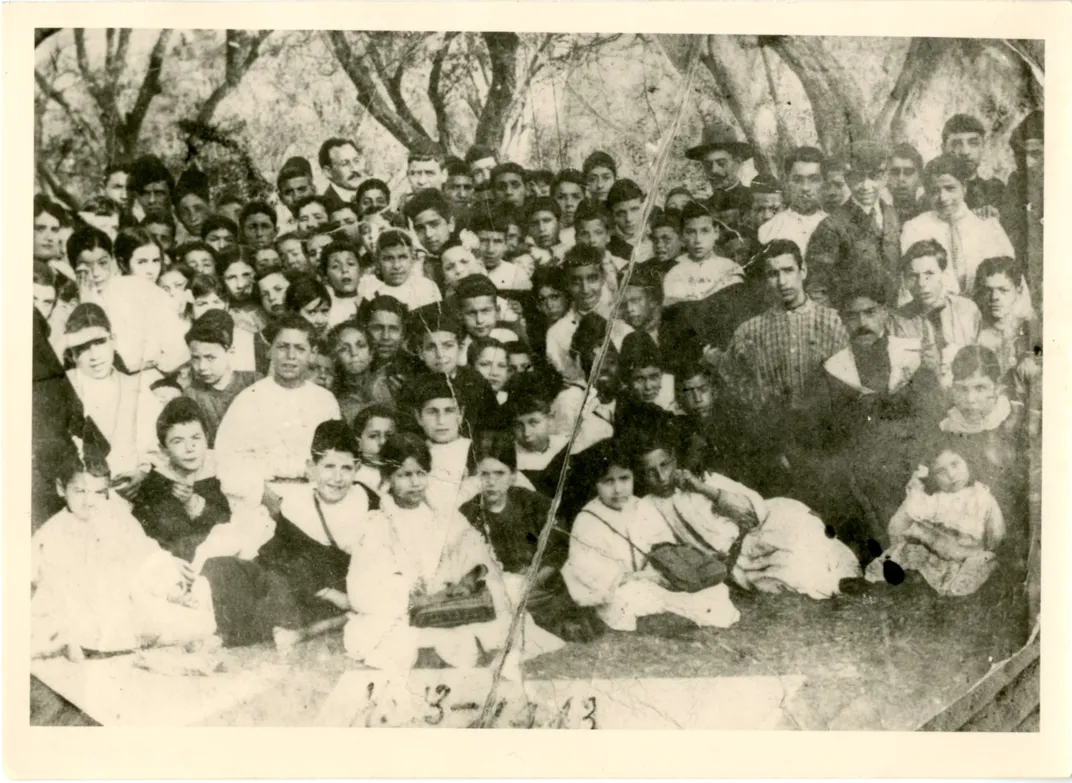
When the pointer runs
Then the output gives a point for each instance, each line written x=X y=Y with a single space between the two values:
x=847 y=246
x=165 y=520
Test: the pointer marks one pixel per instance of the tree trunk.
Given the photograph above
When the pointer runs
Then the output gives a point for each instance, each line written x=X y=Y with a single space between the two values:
x=732 y=62
x=369 y=95
x=502 y=51
x=836 y=101
x=919 y=66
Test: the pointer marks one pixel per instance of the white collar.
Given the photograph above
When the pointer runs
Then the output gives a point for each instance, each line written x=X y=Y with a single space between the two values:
x=955 y=422
x=904 y=352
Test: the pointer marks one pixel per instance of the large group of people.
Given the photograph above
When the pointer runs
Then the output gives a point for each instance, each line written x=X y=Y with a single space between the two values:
x=256 y=420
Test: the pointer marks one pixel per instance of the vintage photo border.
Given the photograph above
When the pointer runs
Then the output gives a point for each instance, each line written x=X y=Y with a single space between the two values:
x=266 y=752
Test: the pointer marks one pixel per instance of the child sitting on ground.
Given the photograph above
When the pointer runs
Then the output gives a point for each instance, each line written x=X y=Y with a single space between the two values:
x=181 y=501
x=947 y=531
x=512 y=518
x=101 y=584
x=411 y=551
x=608 y=567
x=298 y=576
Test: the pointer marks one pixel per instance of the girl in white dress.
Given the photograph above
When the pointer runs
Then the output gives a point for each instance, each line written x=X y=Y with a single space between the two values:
x=408 y=551
x=948 y=535
x=607 y=566
x=101 y=584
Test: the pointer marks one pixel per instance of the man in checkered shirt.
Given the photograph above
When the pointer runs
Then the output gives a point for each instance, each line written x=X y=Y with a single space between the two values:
x=775 y=359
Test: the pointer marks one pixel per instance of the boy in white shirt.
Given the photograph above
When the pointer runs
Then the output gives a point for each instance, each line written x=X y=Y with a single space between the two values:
x=587 y=288
x=491 y=228
x=699 y=273
x=394 y=254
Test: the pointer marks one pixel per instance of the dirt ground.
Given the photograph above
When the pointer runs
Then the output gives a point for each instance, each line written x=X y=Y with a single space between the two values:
x=890 y=659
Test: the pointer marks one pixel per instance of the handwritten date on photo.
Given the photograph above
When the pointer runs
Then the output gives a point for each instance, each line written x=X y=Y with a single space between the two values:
x=454 y=702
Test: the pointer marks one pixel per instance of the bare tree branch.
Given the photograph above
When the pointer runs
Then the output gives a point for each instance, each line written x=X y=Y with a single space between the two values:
x=55 y=95
x=916 y=70
x=83 y=62
x=119 y=60
x=42 y=34
x=502 y=51
x=234 y=68
x=836 y=101
x=59 y=192
x=150 y=88
x=369 y=96
x=437 y=95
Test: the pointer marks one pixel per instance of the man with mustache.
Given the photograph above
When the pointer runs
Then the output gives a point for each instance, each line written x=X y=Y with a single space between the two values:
x=881 y=400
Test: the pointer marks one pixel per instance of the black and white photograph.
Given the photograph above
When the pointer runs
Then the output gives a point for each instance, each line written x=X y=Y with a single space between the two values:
x=463 y=378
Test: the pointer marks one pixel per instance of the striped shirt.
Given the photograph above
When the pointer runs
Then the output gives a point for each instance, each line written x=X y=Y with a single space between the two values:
x=777 y=357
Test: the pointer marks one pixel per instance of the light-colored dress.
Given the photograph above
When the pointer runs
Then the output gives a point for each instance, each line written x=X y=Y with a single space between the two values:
x=103 y=584
x=404 y=552
x=969 y=517
x=790 y=552
x=607 y=569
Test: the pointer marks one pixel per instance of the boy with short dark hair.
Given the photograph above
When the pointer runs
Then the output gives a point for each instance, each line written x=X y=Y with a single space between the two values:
x=440 y=415
x=568 y=190
x=437 y=338
x=625 y=200
x=600 y=172
x=311 y=213
x=665 y=230
x=340 y=269
x=642 y=372
x=397 y=276
x=215 y=383
x=478 y=305
x=433 y=222
x=699 y=272
x=491 y=228
x=181 y=501
x=593 y=224
x=508 y=183
x=587 y=287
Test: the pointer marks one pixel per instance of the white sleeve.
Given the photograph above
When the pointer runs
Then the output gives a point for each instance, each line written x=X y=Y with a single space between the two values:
x=239 y=465
x=591 y=574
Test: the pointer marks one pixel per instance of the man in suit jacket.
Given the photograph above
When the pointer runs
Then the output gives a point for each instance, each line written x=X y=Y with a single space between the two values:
x=962 y=137
x=862 y=237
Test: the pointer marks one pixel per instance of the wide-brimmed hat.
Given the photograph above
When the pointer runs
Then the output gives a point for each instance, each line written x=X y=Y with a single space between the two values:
x=720 y=136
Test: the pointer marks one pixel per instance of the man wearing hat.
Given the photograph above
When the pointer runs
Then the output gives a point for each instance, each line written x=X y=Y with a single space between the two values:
x=962 y=137
x=722 y=155
x=862 y=237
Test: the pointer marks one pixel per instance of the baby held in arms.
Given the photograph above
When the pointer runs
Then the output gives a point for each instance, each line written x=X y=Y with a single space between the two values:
x=948 y=529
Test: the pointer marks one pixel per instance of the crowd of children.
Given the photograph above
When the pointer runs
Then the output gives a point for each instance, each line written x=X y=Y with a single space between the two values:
x=256 y=418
